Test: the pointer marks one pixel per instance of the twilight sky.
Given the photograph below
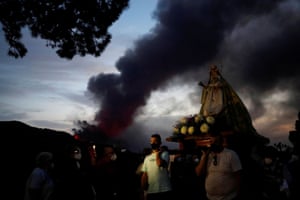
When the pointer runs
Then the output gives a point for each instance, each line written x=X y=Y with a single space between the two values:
x=147 y=77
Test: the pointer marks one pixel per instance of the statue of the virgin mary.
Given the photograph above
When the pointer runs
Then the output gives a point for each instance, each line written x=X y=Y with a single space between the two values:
x=219 y=100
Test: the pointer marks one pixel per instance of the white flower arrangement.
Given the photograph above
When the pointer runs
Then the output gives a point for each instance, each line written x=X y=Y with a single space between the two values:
x=193 y=125
x=191 y=130
x=183 y=130
x=204 y=128
x=210 y=119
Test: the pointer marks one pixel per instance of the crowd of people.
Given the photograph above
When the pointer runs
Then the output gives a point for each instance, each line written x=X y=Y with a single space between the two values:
x=108 y=173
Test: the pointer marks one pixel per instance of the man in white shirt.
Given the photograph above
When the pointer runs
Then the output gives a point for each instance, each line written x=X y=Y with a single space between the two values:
x=155 y=178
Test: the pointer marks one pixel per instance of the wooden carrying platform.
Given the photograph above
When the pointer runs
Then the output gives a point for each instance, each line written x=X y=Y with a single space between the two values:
x=196 y=141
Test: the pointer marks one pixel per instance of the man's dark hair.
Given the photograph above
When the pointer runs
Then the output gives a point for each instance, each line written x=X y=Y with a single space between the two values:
x=157 y=136
x=43 y=159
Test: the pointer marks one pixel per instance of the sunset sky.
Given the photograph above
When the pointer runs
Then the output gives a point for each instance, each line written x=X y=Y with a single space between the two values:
x=147 y=78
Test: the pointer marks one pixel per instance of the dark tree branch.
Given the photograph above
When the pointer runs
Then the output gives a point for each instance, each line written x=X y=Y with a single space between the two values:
x=72 y=27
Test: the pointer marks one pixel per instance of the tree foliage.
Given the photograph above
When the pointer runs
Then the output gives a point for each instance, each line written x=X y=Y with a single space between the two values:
x=88 y=132
x=73 y=27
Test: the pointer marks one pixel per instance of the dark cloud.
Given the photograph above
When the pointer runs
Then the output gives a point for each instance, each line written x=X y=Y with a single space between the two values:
x=255 y=41
x=136 y=137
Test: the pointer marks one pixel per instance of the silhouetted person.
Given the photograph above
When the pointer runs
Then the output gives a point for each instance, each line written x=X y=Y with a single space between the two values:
x=73 y=177
x=275 y=179
x=107 y=174
x=40 y=184
x=294 y=166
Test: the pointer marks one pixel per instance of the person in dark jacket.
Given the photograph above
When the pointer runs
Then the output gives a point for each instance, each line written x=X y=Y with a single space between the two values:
x=74 y=181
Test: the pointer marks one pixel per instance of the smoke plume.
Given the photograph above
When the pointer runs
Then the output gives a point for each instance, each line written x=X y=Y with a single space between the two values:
x=257 y=42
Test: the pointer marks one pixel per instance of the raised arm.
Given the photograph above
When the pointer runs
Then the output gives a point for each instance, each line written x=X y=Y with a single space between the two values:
x=201 y=167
